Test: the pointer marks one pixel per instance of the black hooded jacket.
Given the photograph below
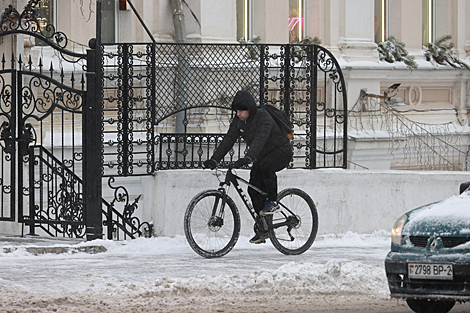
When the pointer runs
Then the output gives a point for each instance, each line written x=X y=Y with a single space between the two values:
x=260 y=131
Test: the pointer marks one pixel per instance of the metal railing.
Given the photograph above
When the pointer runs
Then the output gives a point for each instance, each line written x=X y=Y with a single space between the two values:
x=153 y=90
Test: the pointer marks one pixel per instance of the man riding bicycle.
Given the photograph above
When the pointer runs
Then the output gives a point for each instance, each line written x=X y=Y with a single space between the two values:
x=268 y=150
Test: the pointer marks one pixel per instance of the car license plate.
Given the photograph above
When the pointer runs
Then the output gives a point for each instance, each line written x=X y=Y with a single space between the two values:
x=430 y=271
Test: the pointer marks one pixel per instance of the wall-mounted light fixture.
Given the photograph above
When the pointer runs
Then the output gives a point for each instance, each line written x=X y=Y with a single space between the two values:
x=387 y=96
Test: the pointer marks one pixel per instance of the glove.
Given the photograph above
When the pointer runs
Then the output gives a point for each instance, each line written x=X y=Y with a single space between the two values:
x=210 y=164
x=242 y=162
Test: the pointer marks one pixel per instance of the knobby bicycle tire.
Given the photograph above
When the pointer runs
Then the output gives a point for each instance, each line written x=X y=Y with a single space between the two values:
x=300 y=208
x=208 y=236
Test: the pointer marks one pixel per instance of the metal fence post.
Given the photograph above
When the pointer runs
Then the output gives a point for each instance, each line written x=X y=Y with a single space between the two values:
x=124 y=110
x=152 y=108
x=92 y=151
x=262 y=71
x=313 y=109
x=287 y=73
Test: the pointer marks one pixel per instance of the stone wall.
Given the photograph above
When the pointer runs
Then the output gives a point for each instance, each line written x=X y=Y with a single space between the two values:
x=346 y=200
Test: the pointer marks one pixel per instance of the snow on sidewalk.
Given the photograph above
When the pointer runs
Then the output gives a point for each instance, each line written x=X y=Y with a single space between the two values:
x=336 y=264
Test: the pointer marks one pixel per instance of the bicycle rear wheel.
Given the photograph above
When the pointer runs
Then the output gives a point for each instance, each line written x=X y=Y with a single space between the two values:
x=294 y=229
x=210 y=230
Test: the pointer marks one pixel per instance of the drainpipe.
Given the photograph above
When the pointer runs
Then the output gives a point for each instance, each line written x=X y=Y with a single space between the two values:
x=178 y=21
x=181 y=92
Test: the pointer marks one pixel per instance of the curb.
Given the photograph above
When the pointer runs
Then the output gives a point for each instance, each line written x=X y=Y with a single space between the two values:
x=57 y=250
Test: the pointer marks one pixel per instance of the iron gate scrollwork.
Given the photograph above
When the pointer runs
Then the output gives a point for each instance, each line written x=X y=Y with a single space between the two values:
x=40 y=113
x=47 y=135
x=38 y=132
x=7 y=142
x=167 y=106
x=50 y=176
x=306 y=82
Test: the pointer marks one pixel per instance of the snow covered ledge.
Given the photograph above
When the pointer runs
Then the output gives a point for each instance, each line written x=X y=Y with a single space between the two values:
x=347 y=200
x=358 y=49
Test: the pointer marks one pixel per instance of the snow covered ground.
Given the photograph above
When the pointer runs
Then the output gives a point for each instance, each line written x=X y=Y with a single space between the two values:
x=339 y=273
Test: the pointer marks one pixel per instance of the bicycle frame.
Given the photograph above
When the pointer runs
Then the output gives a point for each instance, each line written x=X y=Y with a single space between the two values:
x=231 y=178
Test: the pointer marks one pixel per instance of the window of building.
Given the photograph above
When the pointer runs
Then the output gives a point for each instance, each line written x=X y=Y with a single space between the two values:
x=244 y=25
x=108 y=21
x=296 y=20
x=434 y=20
x=381 y=20
x=45 y=14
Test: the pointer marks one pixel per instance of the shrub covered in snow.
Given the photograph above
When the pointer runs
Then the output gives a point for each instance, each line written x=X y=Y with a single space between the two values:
x=443 y=54
x=392 y=50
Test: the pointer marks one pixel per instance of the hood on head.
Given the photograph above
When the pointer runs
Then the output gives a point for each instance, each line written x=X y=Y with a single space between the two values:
x=243 y=100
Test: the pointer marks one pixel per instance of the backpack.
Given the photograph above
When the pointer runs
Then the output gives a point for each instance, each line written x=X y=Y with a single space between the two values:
x=281 y=119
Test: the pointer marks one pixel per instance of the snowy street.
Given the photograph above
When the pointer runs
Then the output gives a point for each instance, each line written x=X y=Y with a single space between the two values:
x=339 y=273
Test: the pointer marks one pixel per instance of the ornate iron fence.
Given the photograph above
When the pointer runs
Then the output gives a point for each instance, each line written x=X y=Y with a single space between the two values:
x=49 y=136
x=167 y=106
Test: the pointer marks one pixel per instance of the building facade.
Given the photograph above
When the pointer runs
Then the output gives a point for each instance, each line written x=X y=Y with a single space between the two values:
x=430 y=94
x=427 y=129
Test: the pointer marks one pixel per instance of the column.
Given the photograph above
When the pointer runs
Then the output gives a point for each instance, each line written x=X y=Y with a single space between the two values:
x=356 y=22
x=218 y=21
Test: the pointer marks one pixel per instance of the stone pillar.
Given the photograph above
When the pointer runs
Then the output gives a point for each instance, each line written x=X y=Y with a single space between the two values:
x=467 y=29
x=333 y=21
x=270 y=21
x=218 y=21
x=125 y=25
x=350 y=36
x=356 y=41
x=407 y=25
x=277 y=31
x=315 y=21
x=460 y=30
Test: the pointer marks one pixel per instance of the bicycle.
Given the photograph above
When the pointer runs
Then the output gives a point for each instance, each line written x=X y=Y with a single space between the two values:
x=212 y=231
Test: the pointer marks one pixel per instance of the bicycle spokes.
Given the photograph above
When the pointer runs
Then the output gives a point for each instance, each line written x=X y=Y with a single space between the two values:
x=212 y=231
x=294 y=230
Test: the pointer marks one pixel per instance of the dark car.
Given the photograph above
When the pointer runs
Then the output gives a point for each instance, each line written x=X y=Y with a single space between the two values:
x=429 y=261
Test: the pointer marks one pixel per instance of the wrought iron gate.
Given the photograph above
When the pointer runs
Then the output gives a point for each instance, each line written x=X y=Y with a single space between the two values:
x=50 y=142
x=152 y=90
x=41 y=109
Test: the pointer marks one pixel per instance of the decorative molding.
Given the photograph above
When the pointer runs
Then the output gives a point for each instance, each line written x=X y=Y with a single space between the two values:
x=358 y=49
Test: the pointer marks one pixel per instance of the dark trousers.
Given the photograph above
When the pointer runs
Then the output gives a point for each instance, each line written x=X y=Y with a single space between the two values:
x=263 y=175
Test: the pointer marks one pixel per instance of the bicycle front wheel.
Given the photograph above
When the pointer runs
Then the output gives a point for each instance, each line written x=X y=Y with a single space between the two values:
x=211 y=230
x=294 y=229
